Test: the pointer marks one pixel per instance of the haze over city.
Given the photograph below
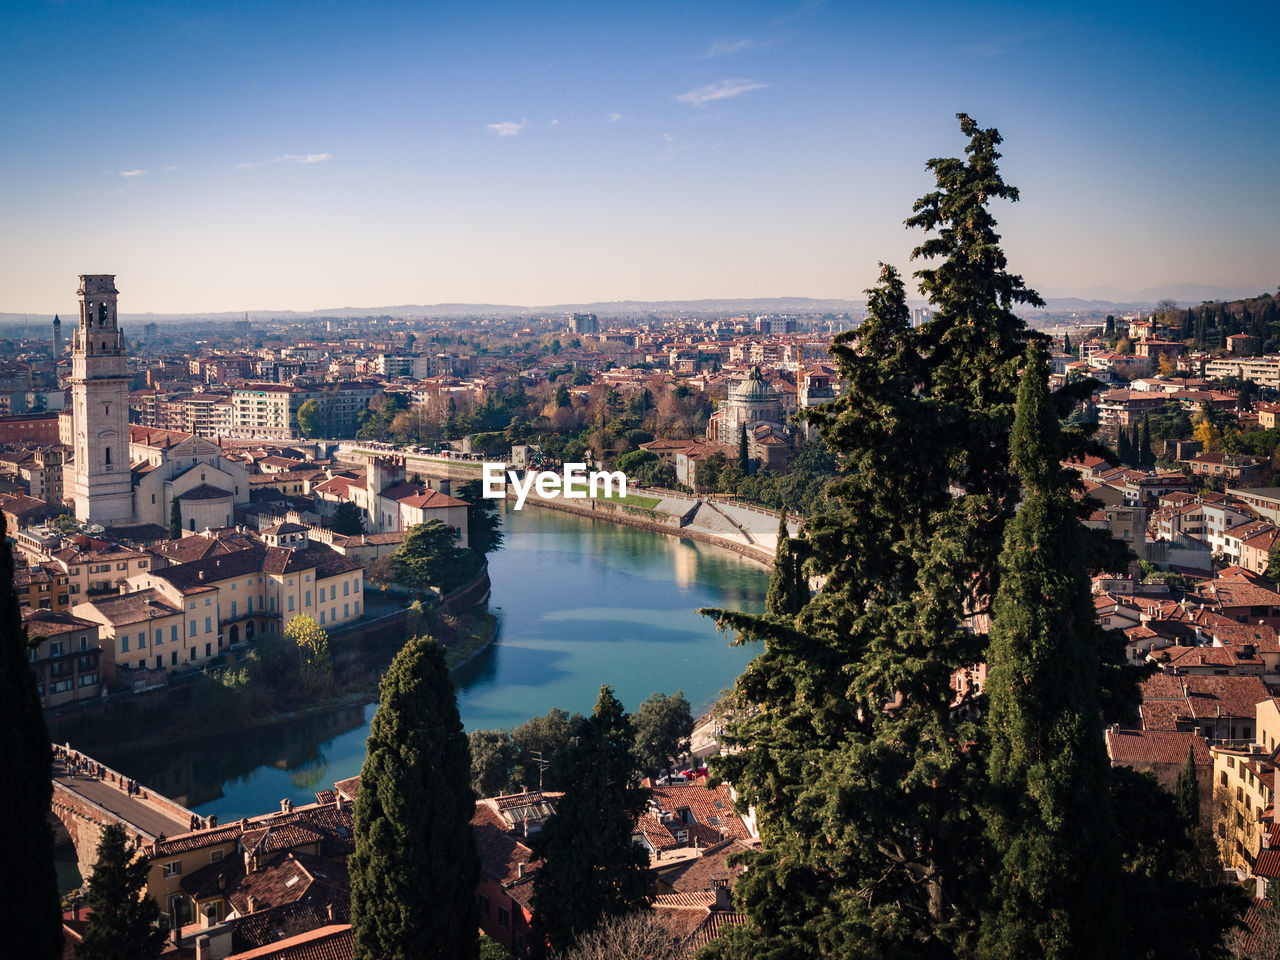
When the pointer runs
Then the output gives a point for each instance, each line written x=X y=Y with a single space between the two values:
x=314 y=156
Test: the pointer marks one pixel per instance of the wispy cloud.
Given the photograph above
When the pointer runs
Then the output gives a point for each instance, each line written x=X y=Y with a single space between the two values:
x=169 y=169
x=721 y=90
x=725 y=48
x=287 y=158
x=509 y=128
x=614 y=117
x=130 y=174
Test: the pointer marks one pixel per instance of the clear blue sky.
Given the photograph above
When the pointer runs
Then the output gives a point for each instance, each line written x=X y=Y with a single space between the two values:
x=228 y=156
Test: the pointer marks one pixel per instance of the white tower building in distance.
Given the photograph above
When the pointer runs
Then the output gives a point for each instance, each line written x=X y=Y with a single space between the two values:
x=101 y=486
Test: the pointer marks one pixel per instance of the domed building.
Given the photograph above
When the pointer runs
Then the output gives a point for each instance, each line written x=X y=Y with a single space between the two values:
x=753 y=404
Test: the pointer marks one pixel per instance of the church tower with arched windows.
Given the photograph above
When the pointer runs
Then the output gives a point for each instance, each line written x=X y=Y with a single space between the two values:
x=101 y=484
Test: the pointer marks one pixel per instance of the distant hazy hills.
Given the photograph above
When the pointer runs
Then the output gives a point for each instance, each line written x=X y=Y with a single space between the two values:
x=1057 y=299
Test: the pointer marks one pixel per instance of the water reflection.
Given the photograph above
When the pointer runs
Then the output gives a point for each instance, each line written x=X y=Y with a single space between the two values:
x=579 y=603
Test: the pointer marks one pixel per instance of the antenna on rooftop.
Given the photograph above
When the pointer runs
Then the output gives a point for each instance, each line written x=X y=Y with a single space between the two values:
x=542 y=766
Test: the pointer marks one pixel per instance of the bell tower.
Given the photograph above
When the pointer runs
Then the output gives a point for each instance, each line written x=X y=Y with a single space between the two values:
x=101 y=486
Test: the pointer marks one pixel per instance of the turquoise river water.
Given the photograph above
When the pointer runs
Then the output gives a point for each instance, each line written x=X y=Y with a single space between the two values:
x=580 y=603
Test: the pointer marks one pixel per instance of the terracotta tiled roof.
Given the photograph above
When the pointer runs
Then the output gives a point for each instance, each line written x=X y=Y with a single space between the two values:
x=327 y=943
x=1141 y=748
x=136 y=607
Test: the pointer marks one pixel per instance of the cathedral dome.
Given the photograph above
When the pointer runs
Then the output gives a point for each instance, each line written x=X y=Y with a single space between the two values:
x=754 y=389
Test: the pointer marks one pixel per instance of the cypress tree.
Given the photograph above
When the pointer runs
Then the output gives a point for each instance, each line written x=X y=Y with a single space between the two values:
x=1186 y=792
x=1146 y=455
x=591 y=869
x=1123 y=451
x=1054 y=855
x=414 y=870
x=1066 y=343
x=124 y=923
x=28 y=884
x=868 y=814
x=787 y=580
x=744 y=461
x=175 y=519
x=1135 y=444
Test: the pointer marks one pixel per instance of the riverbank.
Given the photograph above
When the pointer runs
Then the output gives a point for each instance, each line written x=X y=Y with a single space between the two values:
x=218 y=705
x=669 y=524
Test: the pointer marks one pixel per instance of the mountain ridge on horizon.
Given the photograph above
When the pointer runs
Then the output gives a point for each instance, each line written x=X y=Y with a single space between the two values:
x=1057 y=299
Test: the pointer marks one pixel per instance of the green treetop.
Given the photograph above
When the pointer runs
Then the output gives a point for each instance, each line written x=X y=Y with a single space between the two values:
x=124 y=923
x=856 y=763
x=591 y=869
x=1187 y=792
x=175 y=519
x=414 y=870
x=1054 y=855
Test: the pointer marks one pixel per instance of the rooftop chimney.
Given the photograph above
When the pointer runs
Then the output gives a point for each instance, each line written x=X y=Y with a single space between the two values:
x=202 y=947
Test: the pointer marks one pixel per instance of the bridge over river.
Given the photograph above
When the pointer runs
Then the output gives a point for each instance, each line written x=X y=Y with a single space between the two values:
x=87 y=796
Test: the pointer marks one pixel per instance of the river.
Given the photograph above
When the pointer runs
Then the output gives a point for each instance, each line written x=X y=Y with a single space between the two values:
x=580 y=603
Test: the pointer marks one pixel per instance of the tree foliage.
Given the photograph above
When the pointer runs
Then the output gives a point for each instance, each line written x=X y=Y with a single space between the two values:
x=1053 y=849
x=591 y=868
x=860 y=764
x=414 y=870
x=663 y=724
x=484 y=524
x=430 y=556
x=347 y=520
x=310 y=418
x=311 y=644
x=493 y=761
x=124 y=923
x=1187 y=792
x=28 y=883
x=175 y=519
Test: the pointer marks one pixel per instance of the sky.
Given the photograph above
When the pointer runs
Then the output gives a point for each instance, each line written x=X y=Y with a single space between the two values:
x=246 y=156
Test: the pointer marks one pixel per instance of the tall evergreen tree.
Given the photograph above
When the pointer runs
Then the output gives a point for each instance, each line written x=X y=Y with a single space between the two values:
x=1186 y=792
x=1146 y=455
x=414 y=870
x=865 y=794
x=1123 y=450
x=788 y=586
x=744 y=461
x=1066 y=343
x=32 y=922
x=124 y=923
x=175 y=519
x=1135 y=444
x=591 y=869
x=1054 y=858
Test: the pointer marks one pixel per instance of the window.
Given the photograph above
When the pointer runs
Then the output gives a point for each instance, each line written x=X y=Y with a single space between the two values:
x=333 y=591
x=346 y=587
x=291 y=604
x=173 y=632
x=208 y=649
x=308 y=598
x=159 y=663
x=194 y=631
x=346 y=610
x=173 y=868
x=124 y=643
x=173 y=658
x=322 y=618
x=88 y=679
x=484 y=905
x=503 y=918
x=208 y=624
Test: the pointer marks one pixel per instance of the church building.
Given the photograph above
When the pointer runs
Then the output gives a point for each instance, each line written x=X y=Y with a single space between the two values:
x=120 y=474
